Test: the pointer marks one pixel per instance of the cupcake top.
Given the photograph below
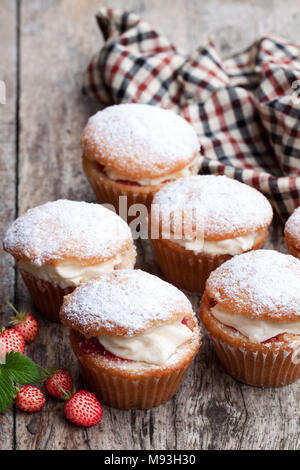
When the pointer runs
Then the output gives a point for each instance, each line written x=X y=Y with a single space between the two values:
x=292 y=229
x=214 y=208
x=67 y=230
x=261 y=284
x=139 y=141
x=124 y=303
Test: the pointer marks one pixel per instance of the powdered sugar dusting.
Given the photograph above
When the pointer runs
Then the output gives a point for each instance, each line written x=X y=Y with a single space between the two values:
x=225 y=205
x=141 y=137
x=259 y=282
x=129 y=299
x=292 y=226
x=62 y=229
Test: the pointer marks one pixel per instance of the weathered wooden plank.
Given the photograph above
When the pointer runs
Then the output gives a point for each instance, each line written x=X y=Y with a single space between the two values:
x=217 y=412
x=49 y=146
x=211 y=410
x=8 y=74
x=58 y=38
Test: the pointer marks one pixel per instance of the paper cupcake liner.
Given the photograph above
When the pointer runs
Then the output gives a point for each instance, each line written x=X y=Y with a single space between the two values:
x=109 y=193
x=258 y=368
x=128 y=393
x=183 y=268
x=46 y=296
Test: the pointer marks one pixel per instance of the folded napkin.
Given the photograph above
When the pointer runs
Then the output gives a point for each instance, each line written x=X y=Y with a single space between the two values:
x=245 y=110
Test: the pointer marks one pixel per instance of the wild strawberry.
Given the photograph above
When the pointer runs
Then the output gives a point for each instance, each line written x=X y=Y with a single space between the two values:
x=24 y=323
x=11 y=340
x=27 y=325
x=60 y=381
x=83 y=409
x=30 y=399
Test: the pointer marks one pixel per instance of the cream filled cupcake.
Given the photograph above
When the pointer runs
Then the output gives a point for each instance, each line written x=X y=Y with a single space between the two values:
x=134 y=336
x=199 y=222
x=133 y=150
x=251 y=311
x=61 y=244
x=292 y=233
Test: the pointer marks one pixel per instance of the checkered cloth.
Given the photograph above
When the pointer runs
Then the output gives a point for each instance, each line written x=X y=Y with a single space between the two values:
x=245 y=110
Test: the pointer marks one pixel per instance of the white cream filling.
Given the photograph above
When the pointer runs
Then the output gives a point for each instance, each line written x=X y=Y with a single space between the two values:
x=191 y=169
x=71 y=273
x=231 y=246
x=155 y=346
x=257 y=331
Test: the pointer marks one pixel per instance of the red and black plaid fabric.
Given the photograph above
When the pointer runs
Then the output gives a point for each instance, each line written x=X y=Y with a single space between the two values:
x=245 y=110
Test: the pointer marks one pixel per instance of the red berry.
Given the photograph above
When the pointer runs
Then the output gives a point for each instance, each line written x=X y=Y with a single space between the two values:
x=27 y=325
x=64 y=379
x=92 y=346
x=24 y=323
x=30 y=399
x=11 y=340
x=128 y=182
x=83 y=409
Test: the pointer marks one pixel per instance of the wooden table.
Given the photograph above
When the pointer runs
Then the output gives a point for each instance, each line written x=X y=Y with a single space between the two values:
x=44 y=48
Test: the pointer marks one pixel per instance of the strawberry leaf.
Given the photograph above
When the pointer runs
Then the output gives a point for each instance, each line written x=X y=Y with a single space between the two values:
x=16 y=369
x=20 y=369
x=47 y=373
x=6 y=391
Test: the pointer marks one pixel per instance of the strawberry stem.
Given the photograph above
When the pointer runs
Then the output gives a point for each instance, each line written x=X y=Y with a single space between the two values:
x=47 y=372
x=67 y=395
x=16 y=392
x=18 y=317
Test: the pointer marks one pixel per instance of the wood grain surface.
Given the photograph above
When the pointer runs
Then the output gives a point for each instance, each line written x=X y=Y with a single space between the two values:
x=45 y=46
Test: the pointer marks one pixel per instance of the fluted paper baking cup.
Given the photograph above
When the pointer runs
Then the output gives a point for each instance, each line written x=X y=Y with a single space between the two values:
x=258 y=368
x=128 y=393
x=108 y=192
x=46 y=296
x=183 y=268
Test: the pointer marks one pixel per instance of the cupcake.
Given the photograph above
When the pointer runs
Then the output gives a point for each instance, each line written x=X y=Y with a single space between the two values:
x=199 y=222
x=251 y=311
x=292 y=233
x=134 y=336
x=61 y=244
x=133 y=150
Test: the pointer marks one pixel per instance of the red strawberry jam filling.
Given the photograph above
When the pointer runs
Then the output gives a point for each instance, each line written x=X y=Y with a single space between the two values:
x=213 y=303
x=134 y=183
x=128 y=183
x=92 y=346
x=101 y=168
x=188 y=322
x=273 y=339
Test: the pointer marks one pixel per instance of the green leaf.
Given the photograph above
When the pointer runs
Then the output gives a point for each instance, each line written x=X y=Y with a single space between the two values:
x=21 y=369
x=6 y=391
x=16 y=369
x=47 y=373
